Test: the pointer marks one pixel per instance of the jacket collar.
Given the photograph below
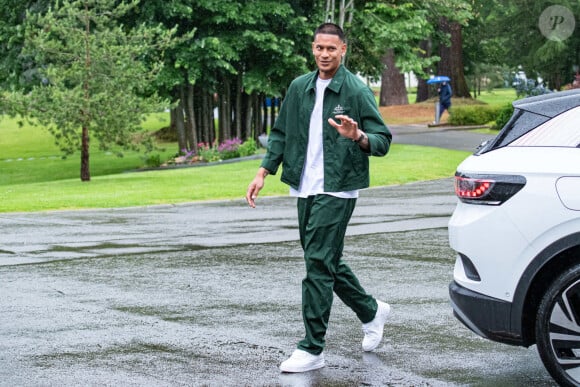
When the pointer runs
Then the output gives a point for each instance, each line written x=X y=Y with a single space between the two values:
x=336 y=82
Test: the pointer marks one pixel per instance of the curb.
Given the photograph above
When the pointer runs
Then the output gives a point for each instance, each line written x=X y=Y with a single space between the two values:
x=196 y=165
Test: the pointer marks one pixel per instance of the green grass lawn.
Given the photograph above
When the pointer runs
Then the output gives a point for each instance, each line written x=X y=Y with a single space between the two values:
x=28 y=154
x=404 y=164
x=498 y=97
x=33 y=176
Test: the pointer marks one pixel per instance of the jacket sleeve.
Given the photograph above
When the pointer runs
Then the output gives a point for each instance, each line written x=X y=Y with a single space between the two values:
x=371 y=122
x=277 y=137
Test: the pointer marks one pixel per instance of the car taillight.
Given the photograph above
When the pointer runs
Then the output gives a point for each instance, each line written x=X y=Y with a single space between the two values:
x=487 y=189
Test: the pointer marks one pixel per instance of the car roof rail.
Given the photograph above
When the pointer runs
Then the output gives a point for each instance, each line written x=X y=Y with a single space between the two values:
x=550 y=105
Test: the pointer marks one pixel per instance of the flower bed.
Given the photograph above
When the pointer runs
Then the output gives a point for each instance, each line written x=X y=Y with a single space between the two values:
x=206 y=153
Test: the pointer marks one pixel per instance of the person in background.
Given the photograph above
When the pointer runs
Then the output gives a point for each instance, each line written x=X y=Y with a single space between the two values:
x=445 y=93
x=327 y=128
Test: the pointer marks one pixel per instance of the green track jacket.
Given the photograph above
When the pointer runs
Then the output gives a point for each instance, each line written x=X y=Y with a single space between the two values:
x=346 y=166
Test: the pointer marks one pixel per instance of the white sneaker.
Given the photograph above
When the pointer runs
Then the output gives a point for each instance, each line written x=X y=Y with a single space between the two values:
x=302 y=361
x=374 y=330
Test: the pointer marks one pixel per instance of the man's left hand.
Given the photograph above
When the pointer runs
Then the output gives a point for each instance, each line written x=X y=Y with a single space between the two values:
x=347 y=128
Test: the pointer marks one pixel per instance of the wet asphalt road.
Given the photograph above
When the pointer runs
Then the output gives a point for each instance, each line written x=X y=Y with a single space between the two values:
x=209 y=294
x=447 y=137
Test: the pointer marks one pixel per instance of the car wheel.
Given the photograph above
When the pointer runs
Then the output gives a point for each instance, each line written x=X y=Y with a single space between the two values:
x=558 y=328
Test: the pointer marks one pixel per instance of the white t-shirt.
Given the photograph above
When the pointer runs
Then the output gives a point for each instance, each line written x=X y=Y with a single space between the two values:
x=312 y=180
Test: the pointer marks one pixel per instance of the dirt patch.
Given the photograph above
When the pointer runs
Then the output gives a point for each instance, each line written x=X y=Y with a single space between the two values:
x=418 y=113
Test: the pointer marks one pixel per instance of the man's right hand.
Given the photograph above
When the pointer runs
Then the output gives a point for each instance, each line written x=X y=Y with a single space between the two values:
x=255 y=186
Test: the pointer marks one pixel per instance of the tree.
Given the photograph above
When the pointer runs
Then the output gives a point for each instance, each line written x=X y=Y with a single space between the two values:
x=451 y=63
x=383 y=44
x=95 y=75
x=447 y=18
x=242 y=51
x=484 y=52
x=16 y=70
x=514 y=27
x=341 y=13
x=389 y=38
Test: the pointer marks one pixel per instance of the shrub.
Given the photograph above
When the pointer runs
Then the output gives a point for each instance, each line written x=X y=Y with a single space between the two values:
x=208 y=153
x=503 y=116
x=247 y=148
x=530 y=88
x=153 y=161
x=229 y=149
x=473 y=115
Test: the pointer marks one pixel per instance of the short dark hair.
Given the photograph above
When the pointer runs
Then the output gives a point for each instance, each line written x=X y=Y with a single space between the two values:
x=330 y=29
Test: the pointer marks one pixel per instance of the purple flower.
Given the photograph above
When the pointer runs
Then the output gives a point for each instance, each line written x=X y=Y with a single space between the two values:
x=230 y=145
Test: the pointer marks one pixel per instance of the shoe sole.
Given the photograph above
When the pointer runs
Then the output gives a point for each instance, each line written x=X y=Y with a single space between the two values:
x=302 y=369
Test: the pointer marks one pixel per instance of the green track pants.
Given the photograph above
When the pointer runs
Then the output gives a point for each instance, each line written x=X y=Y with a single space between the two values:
x=322 y=221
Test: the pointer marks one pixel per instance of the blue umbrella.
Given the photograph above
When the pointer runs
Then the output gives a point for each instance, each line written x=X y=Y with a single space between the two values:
x=438 y=79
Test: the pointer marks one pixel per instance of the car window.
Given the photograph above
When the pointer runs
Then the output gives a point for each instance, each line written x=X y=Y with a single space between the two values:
x=524 y=122
x=562 y=130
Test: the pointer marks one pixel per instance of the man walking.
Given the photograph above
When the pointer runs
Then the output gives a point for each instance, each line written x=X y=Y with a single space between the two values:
x=327 y=128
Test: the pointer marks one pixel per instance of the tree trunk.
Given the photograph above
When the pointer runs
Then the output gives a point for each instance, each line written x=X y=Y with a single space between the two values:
x=239 y=107
x=206 y=113
x=256 y=113
x=248 y=117
x=172 y=120
x=555 y=81
x=85 y=170
x=272 y=111
x=190 y=114
x=85 y=166
x=221 y=116
x=265 y=113
x=186 y=127
x=393 y=90
x=227 y=106
x=177 y=125
x=451 y=63
x=211 y=128
x=343 y=13
x=180 y=126
x=224 y=110
x=422 y=86
x=202 y=119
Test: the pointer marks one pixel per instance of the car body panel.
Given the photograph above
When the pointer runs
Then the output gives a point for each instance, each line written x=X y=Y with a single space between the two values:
x=568 y=188
x=476 y=230
x=516 y=229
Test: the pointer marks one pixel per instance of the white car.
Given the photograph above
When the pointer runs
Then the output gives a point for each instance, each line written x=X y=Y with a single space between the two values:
x=516 y=231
